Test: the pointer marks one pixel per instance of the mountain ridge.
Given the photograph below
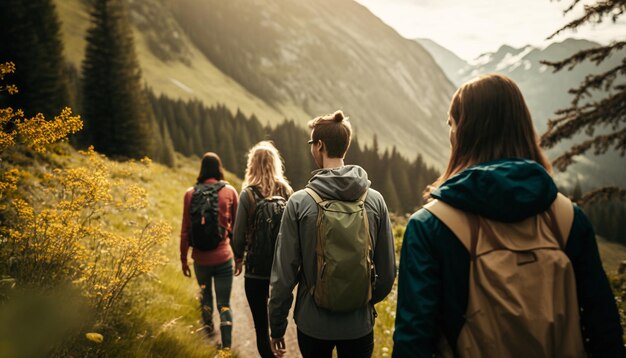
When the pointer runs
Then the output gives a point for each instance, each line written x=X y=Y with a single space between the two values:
x=280 y=59
x=546 y=92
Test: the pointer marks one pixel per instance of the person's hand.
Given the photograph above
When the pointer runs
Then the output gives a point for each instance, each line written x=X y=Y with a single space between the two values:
x=186 y=270
x=238 y=266
x=278 y=347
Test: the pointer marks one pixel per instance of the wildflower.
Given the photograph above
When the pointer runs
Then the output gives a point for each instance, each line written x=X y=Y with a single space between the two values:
x=94 y=337
x=224 y=353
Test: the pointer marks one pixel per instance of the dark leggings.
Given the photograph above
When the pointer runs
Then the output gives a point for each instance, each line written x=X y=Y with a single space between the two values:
x=223 y=276
x=257 y=293
x=350 y=348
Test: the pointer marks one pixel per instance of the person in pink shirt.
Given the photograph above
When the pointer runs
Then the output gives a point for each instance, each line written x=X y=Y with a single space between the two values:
x=212 y=266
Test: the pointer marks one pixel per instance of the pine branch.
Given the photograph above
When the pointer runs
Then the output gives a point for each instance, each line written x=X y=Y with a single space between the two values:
x=593 y=82
x=600 y=144
x=596 y=55
x=609 y=111
x=571 y=7
x=603 y=193
x=594 y=13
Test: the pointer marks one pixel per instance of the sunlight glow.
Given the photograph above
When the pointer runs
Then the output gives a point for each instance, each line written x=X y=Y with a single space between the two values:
x=472 y=27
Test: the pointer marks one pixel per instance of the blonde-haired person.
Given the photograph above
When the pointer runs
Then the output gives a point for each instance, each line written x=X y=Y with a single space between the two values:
x=264 y=178
x=498 y=175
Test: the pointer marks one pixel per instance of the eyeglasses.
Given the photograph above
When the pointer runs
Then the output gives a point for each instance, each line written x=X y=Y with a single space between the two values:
x=313 y=141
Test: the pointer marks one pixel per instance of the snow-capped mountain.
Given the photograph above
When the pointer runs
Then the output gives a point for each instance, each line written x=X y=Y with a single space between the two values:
x=545 y=92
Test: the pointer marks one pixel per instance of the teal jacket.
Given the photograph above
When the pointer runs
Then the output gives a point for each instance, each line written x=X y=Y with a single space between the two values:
x=433 y=280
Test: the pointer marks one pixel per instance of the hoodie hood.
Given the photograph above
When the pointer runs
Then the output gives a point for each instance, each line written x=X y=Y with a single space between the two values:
x=346 y=183
x=505 y=190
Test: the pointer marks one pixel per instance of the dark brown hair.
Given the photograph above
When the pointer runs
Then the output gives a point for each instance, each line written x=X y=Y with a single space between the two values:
x=492 y=122
x=211 y=167
x=335 y=131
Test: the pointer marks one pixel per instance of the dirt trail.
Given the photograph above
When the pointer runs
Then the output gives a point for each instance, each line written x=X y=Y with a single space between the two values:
x=244 y=338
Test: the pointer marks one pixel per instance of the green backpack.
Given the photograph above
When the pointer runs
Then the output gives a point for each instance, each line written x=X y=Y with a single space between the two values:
x=345 y=269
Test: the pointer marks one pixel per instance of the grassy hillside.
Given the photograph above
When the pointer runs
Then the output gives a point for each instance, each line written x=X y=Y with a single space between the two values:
x=190 y=76
x=158 y=313
x=612 y=254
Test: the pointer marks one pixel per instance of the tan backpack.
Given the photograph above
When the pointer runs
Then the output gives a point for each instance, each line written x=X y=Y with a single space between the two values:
x=522 y=290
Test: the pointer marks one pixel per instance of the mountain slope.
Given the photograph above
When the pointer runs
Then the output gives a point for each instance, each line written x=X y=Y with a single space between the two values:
x=546 y=92
x=284 y=59
x=325 y=55
x=179 y=71
x=450 y=63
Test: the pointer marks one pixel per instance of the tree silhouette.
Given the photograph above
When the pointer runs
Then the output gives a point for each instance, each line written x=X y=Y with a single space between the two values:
x=586 y=114
x=30 y=37
x=400 y=180
x=114 y=103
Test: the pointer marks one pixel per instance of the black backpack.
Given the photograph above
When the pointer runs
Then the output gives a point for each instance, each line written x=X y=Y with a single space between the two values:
x=206 y=233
x=263 y=225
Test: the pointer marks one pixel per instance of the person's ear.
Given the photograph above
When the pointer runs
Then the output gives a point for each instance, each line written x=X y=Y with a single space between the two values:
x=321 y=145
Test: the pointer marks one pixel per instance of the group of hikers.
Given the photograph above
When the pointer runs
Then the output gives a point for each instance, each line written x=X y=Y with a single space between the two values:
x=496 y=264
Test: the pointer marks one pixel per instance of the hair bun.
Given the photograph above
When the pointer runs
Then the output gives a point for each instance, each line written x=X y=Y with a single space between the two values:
x=338 y=116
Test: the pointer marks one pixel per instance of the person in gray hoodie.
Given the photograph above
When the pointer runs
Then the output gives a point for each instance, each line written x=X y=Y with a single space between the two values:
x=320 y=330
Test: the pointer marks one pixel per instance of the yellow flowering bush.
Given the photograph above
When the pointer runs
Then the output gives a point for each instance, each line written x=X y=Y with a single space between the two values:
x=84 y=224
x=73 y=234
x=7 y=68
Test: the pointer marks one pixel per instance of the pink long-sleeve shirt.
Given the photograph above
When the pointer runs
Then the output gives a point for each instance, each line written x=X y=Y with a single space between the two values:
x=227 y=202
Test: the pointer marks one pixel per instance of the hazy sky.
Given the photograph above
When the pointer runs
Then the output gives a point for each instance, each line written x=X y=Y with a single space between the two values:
x=472 y=27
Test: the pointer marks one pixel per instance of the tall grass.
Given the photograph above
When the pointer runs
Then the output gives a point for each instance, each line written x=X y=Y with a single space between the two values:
x=383 y=330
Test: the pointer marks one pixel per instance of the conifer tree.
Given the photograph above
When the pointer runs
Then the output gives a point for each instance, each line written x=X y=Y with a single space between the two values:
x=30 y=37
x=227 y=149
x=167 y=148
x=585 y=115
x=400 y=176
x=208 y=131
x=389 y=192
x=114 y=104
x=243 y=145
x=257 y=132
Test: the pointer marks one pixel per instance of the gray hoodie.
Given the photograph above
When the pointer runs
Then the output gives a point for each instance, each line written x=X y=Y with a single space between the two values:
x=295 y=256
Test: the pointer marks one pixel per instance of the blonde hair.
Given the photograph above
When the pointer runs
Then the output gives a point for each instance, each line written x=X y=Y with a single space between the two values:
x=265 y=170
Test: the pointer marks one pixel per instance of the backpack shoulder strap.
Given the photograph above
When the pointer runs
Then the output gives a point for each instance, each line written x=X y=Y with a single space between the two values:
x=252 y=197
x=561 y=214
x=210 y=187
x=254 y=190
x=363 y=196
x=318 y=199
x=251 y=210
x=314 y=195
x=456 y=220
